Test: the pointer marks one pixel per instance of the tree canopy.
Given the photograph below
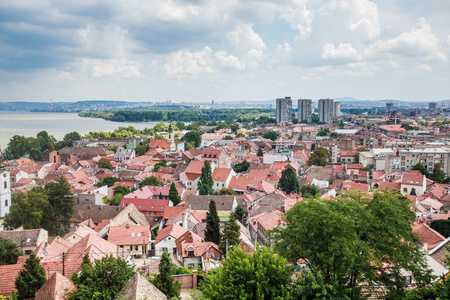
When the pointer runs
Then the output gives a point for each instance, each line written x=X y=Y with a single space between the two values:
x=9 y=252
x=288 y=182
x=173 y=195
x=212 y=231
x=206 y=181
x=356 y=238
x=30 y=279
x=261 y=275
x=420 y=167
x=319 y=157
x=104 y=163
x=309 y=190
x=193 y=136
x=165 y=281
x=230 y=235
x=241 y=215
x=151 y=180
x=102 y=280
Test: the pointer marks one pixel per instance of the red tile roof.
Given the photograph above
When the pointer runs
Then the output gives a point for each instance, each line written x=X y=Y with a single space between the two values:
x=129 y=235
x=428 y=235
x=221 y=174
x=413 y=179
x=173 y=230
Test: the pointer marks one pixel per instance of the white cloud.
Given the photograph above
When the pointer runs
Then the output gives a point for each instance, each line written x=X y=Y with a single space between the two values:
x=182 y=63
x=119 y=68
x=300 y=18
x=343 y=51
x=419 y=42
x=423 y=68
x=245 y=40
x=229 y=61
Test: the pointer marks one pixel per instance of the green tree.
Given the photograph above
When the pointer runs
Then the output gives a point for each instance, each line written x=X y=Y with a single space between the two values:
x=102 y=280
x=261 y=275
x=9 y=252
x=422 y=169
x=60 y=198
x=115 y=200
x=104 y=163
x=45 y=141
x=206 y=181
x=230 y=235
x=313 y=147
x=151 y=180
x=27 y=210
x=319 y=157
x=159 y=165
x=173 y=194
x=260 y=152
x=271 y=135
x=181 y=125
x=241 y=167
x=438 y=175
x=30 y=279
x=240 y=214
x=140 y=150
x=121 y=189
x=212 y=231
x=165 y=281
x=352 y=239
x=288 y=182
x=109 y=181
x=18 y=146
x=312 y=286
x=227 y=191
x=193 y=136
x=68 y=139
x=309 y=190
x=323 y=132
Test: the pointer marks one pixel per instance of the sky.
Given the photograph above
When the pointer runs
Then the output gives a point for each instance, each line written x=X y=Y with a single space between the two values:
x=203 y=50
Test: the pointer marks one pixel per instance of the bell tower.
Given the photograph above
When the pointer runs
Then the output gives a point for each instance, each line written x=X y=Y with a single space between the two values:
x=5 y=189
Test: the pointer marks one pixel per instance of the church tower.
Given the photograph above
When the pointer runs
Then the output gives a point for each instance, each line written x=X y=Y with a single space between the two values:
x=5 y=192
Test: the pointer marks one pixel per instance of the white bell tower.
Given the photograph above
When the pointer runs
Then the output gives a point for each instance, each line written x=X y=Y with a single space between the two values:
x=5 y=192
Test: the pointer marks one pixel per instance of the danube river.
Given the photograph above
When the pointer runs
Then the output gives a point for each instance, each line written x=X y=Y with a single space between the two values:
x=56 y=124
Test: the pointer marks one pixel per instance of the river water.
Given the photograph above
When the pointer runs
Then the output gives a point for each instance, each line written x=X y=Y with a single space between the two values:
x=56 y=124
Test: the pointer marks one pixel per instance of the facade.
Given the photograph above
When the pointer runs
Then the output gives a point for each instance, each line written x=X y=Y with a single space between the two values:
x=326 y=110
x=305 y=110
x=337 y=109
x=432 y=106
x=5 y=192
x=389 y=107
x=284 y=109
x=428 y=157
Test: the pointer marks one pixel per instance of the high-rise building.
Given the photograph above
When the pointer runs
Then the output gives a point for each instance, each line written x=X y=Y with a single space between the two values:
x=305 y=110
x=337 y=110
x=432 y=106
x=389 y=107
x=326 y=110
x=284 y=109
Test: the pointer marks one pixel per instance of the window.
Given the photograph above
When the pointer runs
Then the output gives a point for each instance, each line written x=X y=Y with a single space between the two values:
x=138 y=234
x=164 y=249
x=405 y=190
x=191 y=252
x=6 y=185
x=132 y=234
x=162 y=207
x=190 y=266
x=6 y=202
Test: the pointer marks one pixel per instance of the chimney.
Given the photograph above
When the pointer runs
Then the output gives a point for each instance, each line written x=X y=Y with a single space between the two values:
x=194 y=278
x=279 y=220
x=425 y=247
x=184 y=220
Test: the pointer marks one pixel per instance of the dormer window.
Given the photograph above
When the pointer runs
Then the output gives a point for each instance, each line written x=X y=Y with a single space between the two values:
x=191 y=252
x=132 y=234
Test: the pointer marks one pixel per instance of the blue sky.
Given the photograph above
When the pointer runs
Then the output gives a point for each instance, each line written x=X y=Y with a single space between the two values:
x=199 y=50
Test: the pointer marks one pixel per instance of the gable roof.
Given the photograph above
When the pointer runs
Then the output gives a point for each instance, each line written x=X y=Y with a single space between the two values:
x=173 y=230
x=56 y=288
x=139 y=288
x=23 y=238
x=97 y=213
x=427 y=235
x=129 y=235
x=201 y=202
x=221 y=174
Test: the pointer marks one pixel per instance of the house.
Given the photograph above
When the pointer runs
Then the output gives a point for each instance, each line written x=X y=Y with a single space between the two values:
x=222 y=178
x=266 y=222
x=413 y=183
x=57 y=287
x=165 y=241
x=162 y=144
x=123 y=154
x=147 y=206
x=139 y=288
x=28 y=239
x=196 y=254
x=94 y=197
x=219 y=157
x=225 y=204
x=135 y=238
x=191 y=176
x=153 y=192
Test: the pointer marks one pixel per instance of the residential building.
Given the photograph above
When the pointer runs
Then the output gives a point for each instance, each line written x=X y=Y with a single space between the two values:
x=305 y=110
x=133 y=142
x=165 y=241
x=413 y=183
x=337 y=109
x=284 y=110
x=28 y=240
x=123 y=154
x=134 y=239
x=140 y=288
x=219 y=158
x=222 y=178
x=326 y=110
x=427 y=157
x=389 y=107
x=57 y=287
